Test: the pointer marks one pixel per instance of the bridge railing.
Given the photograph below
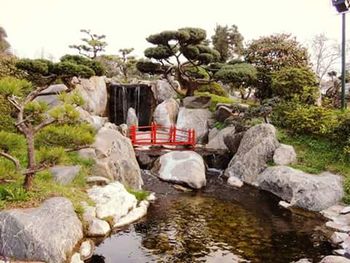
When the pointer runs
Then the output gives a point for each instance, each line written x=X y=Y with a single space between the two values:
x=159 y=135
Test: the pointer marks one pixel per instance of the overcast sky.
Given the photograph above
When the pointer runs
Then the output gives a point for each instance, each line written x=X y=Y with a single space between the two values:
x=36 y=27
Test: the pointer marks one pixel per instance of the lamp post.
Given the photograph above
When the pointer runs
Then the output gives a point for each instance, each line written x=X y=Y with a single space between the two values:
x=342 y=7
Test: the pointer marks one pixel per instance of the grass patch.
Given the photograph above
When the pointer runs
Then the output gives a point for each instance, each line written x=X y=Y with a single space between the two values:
x=315 y=155
x=215 y=99
x=139 y=194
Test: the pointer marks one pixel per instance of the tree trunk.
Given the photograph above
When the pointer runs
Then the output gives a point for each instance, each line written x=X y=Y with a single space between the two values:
x=31 y=161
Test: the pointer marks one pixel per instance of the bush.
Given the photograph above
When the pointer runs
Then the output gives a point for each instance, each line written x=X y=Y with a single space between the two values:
x=7 y=121
x=8 y=67
x=51 y=156
x=213 y=88
x=305 y=119
x=67 y=136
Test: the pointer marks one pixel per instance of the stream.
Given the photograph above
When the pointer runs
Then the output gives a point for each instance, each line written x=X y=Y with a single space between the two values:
x=217 y=224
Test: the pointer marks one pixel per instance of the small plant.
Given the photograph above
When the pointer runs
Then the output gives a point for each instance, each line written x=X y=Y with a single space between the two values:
x=13 y=193
x=219 y=125
x=139 y=194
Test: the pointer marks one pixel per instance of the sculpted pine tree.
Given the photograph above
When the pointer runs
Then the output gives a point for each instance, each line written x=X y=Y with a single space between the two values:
x=182 y=53
x=228 y=41
x=272 y=53
x=92 y=45
x=31 y=115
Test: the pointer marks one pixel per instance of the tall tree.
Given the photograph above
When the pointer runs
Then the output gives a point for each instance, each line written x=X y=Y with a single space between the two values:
x=92 y=45
x=33 y=116
x=324 y=54
x=272 y=53
x=4 y=45
x=182 y=52
x=228 y=41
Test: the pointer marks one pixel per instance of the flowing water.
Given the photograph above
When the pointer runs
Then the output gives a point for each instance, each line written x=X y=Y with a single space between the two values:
x=217 y=224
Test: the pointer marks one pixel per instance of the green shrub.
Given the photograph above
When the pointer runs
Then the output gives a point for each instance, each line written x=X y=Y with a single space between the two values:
x=68 y=136
x=215 y=99
x=7 y=120
x=13 y=193
x=213 y=88
x=51 y=156
x=305 y=119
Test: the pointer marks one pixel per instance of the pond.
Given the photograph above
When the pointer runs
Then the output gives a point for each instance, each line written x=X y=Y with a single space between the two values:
x=218 y=224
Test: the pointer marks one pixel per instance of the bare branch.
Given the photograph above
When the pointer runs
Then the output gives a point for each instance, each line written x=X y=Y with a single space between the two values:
x=44 y=124
x=12 y=159
x=77 y=148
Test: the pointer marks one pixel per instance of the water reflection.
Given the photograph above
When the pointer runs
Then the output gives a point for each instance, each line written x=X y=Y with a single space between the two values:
x=218 y=225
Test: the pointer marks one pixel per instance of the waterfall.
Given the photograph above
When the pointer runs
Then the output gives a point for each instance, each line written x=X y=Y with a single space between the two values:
x=137 y=101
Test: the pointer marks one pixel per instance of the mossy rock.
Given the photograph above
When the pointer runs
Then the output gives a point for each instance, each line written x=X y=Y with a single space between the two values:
x=213 y=88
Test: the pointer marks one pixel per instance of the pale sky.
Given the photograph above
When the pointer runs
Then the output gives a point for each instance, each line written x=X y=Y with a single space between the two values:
x=49 y=26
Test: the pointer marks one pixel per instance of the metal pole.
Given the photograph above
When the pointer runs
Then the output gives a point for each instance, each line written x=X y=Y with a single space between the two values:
x=343 y=104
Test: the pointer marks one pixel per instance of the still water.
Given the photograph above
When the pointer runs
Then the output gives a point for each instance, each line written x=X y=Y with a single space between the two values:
x=217 y=224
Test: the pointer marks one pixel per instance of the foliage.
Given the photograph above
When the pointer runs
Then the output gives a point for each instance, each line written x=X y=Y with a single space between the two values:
x=13 y=86
x=92 y=45
x=7 y=122
x=239 y=75
x=93 y=65
x=219 y=125
x=67 y=136
x=8 y=67
x=51 y=156
x=215 y=99
x=305 y=119
x=122 y=65
x=228 y=41
x=213 y=88
x=299 y=83
x=139 y=194
x=187 y=43
x=11 y=142
x=4 y=44
x=14 y=193
x=272 y=53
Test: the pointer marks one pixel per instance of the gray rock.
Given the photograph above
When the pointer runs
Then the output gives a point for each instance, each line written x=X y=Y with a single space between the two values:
x=338 y=237
x=98 y=227
x=303 y=260
x=345 y=210
x=334 y=259
x=87 y=153
x=218 y=141
x=76 y=258
x=332 y=212
x=311 y=192
x=338 y=227
x=94 y=93
x=165 y=113
x=131 y=118
x=284 y=204
x=212 y=133
x=196 y=119
x=222 y=113
x=116 y=158
x=95 y=121
x=184 y=167
x=284 y=155
x=97 y=180
x=234 y=181
x=65 y=174
x=51 y=100
x=47 y=233
x=163 y=91
x=255 y=150
x=86 y=249
x=197 y=102
x=232 y=141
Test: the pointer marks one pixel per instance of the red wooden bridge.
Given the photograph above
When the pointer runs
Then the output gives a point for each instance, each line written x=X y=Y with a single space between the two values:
x=159 y=135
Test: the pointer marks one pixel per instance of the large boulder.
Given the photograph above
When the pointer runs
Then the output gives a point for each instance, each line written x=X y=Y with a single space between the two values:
x=162 y=90
x=165 y=113
x=50 y=95
x=196 y=119
x=65 y=174
x=284 y=155
x=94 y=93
x=112 y=200
x=48 y=233
x=218 y=141
x=115 y=158
x=95 y=121
x=197 y=102
x=186 y=167
x=222 y=113
x=311 y=192
x=335 y=259
x=232 y=140
x=255 y=150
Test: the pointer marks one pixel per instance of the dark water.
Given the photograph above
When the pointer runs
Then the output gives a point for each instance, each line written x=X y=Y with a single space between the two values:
x=218 y=224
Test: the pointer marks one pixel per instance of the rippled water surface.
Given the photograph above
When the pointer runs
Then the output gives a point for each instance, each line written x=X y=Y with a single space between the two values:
x=218 y=224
